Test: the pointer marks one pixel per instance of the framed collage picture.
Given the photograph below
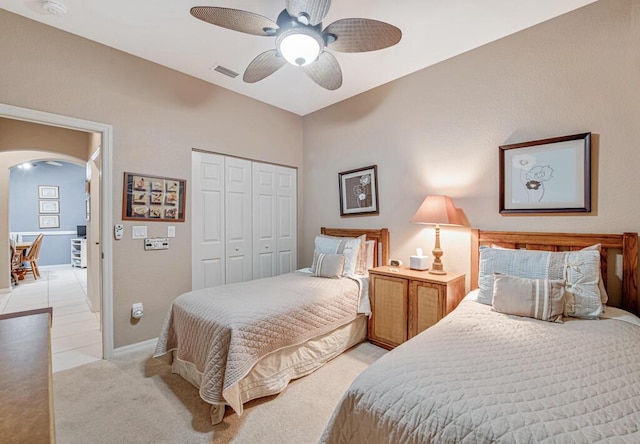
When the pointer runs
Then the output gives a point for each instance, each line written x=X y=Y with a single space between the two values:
x=153 y=198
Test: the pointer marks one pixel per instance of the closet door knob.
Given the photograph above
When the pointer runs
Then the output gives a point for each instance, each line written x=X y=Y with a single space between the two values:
x=237 y=249
x=266 y=246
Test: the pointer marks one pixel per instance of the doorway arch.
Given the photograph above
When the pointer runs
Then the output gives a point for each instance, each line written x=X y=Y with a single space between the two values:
x=106 y=203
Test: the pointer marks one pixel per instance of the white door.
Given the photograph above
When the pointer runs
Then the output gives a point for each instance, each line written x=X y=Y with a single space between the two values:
x=264 y=220
x=238 y=220
x=286 y=232
x=208 y=221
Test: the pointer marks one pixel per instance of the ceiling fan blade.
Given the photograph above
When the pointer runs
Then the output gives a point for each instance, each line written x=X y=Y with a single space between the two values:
x=315 y=9
x=236 y=20
x=263 y=66
x=325 y=71
x=361 y=35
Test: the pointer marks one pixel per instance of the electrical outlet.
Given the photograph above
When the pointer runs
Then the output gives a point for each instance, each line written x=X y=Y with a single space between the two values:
x=137 y=310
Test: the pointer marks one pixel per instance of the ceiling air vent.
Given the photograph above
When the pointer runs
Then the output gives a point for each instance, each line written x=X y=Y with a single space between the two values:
x=226 y=71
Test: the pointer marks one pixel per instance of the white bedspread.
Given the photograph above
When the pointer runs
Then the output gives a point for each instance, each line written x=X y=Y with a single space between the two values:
x=223 y=331
x=479 y=377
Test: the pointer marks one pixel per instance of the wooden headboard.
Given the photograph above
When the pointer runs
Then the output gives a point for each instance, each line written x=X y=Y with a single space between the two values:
x=627 y=243
x=381 y=236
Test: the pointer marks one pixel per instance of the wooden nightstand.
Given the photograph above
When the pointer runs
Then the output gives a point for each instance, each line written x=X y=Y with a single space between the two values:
x=406 y=302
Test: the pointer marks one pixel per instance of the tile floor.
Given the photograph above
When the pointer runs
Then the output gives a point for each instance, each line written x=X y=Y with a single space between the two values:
x=75 y=333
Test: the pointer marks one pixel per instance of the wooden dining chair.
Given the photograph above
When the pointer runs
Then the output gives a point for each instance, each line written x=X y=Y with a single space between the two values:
x=16 y=262
x=32 y=257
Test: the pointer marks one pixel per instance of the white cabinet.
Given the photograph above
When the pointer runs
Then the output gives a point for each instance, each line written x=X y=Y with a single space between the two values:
x=244 y=220
x=79 y=253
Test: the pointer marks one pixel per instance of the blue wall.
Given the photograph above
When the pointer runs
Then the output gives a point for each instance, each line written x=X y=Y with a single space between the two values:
x=24 y=209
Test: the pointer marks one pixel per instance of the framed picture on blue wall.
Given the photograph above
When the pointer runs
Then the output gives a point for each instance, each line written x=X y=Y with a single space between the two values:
x=49 y=221
x=49 y=206
x=48 y=192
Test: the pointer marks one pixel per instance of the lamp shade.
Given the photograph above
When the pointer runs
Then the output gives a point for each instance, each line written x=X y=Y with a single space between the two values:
x=437 y=210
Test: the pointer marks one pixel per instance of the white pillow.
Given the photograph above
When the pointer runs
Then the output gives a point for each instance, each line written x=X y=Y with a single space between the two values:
x=580 y=270
x=348 y=246
x=370 y=246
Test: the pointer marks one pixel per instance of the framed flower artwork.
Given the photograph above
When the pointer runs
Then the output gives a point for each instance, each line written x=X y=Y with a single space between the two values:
x=359 y=192
x=546 y=176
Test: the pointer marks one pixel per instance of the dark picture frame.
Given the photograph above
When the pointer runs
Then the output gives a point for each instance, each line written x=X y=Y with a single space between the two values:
x=153 y=198
x=546 y=176
x=359 y=192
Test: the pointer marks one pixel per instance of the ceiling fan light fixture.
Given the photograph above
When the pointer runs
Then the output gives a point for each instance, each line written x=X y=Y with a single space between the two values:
x=300 y=46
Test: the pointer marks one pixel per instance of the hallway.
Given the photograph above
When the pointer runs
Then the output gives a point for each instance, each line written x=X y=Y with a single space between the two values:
x=76 y=338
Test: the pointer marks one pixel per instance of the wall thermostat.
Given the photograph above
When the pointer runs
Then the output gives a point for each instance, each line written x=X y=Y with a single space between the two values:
x=118 y=231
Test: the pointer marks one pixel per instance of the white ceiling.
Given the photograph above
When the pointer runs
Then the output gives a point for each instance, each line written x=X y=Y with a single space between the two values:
x=164 y=32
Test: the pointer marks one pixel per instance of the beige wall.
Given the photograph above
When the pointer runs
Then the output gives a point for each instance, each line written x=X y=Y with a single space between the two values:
x=26 y=135
x=437 y=131
x=158 y=116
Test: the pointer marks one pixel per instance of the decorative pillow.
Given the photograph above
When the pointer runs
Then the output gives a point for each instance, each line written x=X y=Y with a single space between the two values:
x=328 y=265
x=580 y=270
x=370 y=247
x=361 y=266
x=533 y=298
x=604 y=297
x=348 y=246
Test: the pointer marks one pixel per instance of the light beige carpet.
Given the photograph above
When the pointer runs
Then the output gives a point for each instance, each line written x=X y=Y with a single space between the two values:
x=136 y=399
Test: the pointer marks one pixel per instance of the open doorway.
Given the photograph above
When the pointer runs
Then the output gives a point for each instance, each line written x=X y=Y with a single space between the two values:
x=100 y=204
x=48 y=221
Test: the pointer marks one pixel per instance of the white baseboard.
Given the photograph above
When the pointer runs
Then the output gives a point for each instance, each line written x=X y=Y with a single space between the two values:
x=5 y=290
x=138 y=346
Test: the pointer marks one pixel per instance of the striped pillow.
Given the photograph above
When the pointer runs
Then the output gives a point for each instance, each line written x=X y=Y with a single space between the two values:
x=327 y=265
x=533 y=298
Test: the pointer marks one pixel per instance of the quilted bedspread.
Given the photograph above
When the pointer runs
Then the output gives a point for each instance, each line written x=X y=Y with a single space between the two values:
x=479 y=377
x=225 y=330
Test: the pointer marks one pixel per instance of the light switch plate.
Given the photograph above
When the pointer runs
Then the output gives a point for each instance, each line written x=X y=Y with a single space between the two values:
x=139 y=232
x=171 y=231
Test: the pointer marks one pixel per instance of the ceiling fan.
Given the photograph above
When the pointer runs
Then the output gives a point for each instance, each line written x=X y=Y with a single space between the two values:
x=300 y=39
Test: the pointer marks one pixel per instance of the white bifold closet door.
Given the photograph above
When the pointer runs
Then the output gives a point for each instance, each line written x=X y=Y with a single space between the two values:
x=238 y=219
x=274 y=216
x=244 y=220
x=208 y=227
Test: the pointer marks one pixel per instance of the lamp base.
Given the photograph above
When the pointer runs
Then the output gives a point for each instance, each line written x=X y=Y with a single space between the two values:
x=437 y=272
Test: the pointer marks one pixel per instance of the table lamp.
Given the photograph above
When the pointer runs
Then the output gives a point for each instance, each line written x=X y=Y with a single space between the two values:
x=437 y=210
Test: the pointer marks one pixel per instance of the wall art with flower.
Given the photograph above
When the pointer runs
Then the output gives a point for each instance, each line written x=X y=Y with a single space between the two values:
x=546 y=176
x=359 y=191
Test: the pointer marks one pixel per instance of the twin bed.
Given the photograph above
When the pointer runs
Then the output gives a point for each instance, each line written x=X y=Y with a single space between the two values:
x=481 y=376
x=243 y=341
